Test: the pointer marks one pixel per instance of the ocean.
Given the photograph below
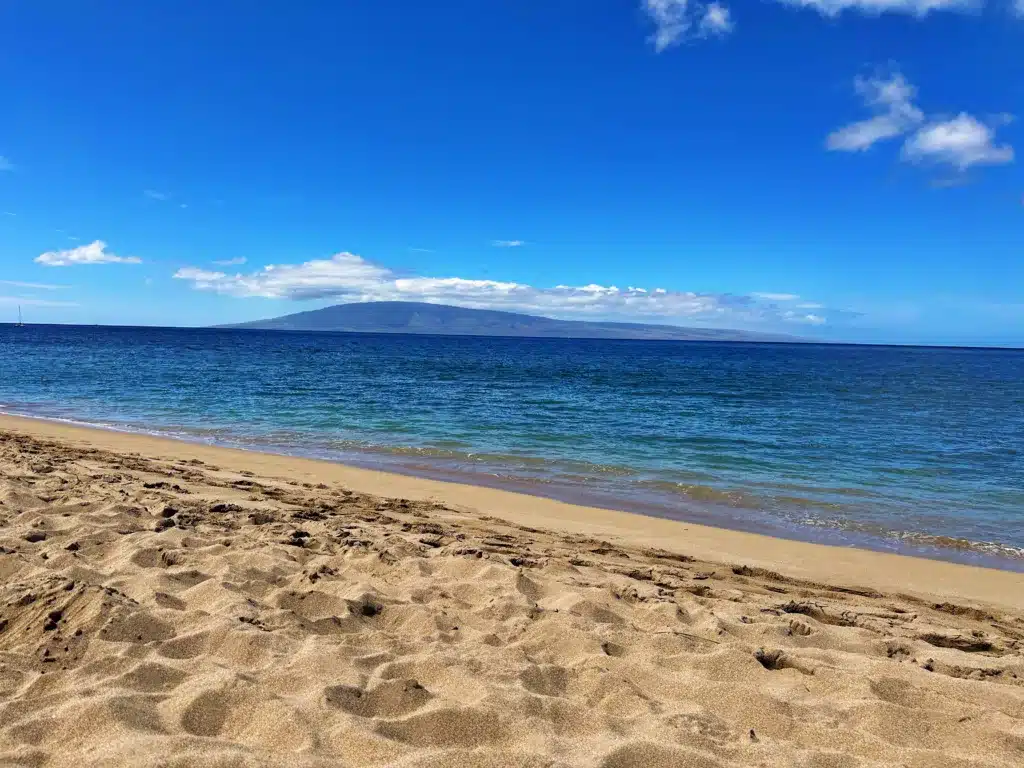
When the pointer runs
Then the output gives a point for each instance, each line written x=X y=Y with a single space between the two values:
x=903 y=449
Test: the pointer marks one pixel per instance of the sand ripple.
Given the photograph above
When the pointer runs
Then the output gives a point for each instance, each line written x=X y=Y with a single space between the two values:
x=165 y=612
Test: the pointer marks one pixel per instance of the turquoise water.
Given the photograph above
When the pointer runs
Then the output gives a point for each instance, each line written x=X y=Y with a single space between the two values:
x=905 y=449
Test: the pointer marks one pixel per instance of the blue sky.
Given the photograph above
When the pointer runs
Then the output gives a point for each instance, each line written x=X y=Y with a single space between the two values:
x=838 y=169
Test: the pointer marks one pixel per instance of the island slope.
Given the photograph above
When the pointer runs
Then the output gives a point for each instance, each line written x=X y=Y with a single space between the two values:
x=416 y=317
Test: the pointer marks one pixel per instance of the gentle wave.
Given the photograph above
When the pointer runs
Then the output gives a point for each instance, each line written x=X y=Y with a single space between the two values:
x=921 y=540
x=705 y=493
x=918 y=541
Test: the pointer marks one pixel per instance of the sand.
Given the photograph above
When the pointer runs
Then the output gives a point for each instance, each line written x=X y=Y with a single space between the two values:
x=166 y=604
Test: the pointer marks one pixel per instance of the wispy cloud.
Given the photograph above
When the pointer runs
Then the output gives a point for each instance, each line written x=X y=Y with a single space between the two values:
x=5 y=164
x=94 y=253
x=507 y=243
x=1018 y=8
x=960 y=142
x=797 y=314
x=808 y=318
x=231 y=262
x=28 y=301
x=163 y=197
x=31 y=286
x=950 y=182
x=8 y=213
x=676 y=21
x=775 y=296
x=349 y=277
x=833 y=8
x=892 y=101
x=421 y=250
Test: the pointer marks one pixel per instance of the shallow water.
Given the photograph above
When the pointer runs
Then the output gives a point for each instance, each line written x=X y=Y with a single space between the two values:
x=907 y=449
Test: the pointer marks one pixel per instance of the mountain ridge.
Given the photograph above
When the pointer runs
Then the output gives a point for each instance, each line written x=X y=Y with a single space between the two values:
x=408 y=317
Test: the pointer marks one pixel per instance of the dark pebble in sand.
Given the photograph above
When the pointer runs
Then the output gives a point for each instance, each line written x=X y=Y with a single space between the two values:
x=74 y=546
x=370 y=608
x=35 y=536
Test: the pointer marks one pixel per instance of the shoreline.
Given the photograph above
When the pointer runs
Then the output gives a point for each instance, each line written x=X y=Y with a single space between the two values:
x=935 y=579
x=711 y=514
x=167 y=604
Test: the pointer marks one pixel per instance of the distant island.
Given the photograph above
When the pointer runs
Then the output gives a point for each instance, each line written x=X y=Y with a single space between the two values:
x=441 y=319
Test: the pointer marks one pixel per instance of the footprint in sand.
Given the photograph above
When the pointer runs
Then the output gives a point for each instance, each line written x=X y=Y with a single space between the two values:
x=393 y=698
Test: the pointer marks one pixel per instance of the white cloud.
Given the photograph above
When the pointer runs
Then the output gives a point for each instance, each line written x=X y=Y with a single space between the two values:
x=5 y=164
x=833 y=8
x=776 y=296
x=717 y=20
x=348 y=277
x=152 y=194
x=671 y=20
x=8 y=213
x=507 y=243
x=678 y=20
x=31 y=286
x=896 y=114
x=1018 y=8
x=94 y=253
x=231 y=262
x=344 y=274
x=961 y=142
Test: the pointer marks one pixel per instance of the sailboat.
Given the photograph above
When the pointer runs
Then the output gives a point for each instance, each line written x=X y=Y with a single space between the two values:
x=20 y=324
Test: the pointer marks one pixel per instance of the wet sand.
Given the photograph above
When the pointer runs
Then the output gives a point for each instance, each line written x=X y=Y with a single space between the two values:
x=164 y=603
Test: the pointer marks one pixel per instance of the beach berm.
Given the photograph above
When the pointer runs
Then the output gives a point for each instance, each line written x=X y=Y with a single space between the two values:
x=171 y=604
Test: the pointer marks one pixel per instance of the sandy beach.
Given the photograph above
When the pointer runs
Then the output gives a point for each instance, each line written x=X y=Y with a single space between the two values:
x=170 y=604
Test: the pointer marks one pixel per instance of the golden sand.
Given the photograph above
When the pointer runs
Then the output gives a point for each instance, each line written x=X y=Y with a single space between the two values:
x=166 y=604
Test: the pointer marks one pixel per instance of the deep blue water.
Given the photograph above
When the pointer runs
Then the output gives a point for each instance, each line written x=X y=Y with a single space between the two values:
x=909 y=449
